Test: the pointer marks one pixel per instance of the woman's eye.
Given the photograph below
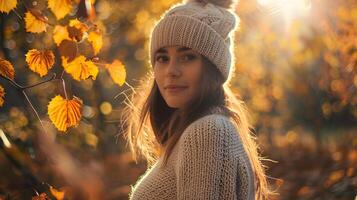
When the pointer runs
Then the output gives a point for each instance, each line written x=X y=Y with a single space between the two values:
x=189 y=57
x=163 y=57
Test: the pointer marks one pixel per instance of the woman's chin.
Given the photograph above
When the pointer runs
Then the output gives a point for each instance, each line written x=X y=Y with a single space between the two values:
x=174 y=104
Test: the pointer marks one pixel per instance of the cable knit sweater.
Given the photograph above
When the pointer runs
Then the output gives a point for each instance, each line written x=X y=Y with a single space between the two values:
x=208 y=162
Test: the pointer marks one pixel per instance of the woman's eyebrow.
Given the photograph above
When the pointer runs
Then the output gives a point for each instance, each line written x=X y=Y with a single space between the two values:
x=161 y=50
x=181 y=49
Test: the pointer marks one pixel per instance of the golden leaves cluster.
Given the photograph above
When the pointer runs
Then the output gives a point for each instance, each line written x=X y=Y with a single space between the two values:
x=65 y=113
x=77 y=31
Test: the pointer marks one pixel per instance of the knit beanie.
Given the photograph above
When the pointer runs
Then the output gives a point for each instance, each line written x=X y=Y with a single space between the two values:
x=206 y=26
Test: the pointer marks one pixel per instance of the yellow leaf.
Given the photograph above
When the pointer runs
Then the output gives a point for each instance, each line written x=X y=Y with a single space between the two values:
x=6 y=69
x=65 y=113
x=2 y=95
x=7 y=5
x=60 y=7
x=80 y=69
x=40 y=61
x=60 y=33
x=59 y=195
x=117 y=72
x=34 y=24
x=78 y=24
x=96 y=39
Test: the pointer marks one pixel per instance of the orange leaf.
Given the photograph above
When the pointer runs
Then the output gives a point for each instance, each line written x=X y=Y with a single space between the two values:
x=6 y=6
x=59 y=195
x=96 y=39
x=42 y=196
x=117 y=72
x=76 y=29
x=40 y=61
x=60 y=33
x=80 y=69
x=35 y=22
x=64 y=113
x=60 y=7
x=2 y=95
x=6 y=69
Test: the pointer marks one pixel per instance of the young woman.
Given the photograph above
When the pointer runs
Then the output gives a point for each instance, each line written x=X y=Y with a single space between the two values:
x=185 y=121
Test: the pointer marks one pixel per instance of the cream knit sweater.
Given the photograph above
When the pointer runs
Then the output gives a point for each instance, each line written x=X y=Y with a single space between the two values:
x=208 y=162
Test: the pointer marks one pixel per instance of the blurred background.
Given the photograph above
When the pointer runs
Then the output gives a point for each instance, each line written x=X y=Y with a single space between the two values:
x=295 y=69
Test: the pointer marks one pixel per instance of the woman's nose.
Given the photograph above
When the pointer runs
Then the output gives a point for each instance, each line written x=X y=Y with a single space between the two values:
x=173 y=68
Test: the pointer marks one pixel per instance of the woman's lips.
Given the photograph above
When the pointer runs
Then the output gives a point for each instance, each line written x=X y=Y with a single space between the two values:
x=175 y=89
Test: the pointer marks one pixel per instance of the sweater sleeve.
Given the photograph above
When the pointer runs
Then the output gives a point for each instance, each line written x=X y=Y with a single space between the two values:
x=201 y=159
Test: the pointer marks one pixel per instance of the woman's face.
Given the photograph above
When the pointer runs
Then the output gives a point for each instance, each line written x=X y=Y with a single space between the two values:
x=177 y=72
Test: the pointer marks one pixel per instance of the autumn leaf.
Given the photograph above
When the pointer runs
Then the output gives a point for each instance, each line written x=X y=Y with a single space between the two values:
x=7 y=5
x=60 y=33
x=60 y=7
x=78 y=24
x=64 y=113
x=42 y=196
x=68 y=49
x=2 y=95
x=35 y=22
x=96 y=39
x=59 y=195
x=6 y=69
x=117 y=72
x=80 y=68
x=40 y=61
x=76 y=29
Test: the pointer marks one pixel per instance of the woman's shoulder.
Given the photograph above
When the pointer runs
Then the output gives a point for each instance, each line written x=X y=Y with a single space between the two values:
x=214 y=124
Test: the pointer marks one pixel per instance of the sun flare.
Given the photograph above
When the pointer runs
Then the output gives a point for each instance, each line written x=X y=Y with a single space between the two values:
x=289 y=9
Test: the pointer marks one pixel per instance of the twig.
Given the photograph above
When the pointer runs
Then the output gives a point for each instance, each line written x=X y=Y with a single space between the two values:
x=29 y=86
x=64 y=88
x=33 y=108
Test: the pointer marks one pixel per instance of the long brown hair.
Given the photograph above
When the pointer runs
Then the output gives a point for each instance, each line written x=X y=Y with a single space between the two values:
x=153 y=128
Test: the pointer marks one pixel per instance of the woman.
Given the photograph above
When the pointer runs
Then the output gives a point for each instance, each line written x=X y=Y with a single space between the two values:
x=188 y=125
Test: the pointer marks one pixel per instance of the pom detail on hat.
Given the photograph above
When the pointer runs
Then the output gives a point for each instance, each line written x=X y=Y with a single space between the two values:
x=223 y=3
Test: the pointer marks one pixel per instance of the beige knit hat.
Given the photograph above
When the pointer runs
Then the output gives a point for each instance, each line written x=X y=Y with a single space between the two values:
x=206 y=26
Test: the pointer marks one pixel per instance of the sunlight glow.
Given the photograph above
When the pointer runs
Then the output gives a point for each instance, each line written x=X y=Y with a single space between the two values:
x=289 y=9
